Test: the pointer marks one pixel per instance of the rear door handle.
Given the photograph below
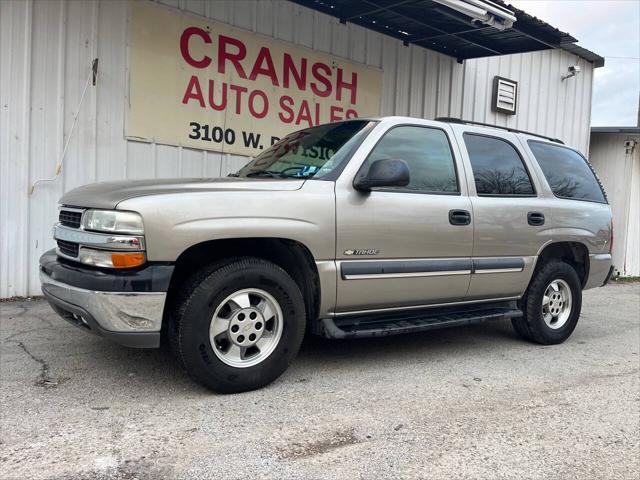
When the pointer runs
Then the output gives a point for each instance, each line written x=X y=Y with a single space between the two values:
x=459 y=217
x=535 y=218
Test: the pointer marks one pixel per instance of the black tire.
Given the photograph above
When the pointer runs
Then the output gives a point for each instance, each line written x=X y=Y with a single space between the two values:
x=531 y=326
x=184 y=291
x=194 y=308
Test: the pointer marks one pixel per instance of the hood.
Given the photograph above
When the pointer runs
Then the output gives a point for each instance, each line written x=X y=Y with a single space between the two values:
x=108 y=194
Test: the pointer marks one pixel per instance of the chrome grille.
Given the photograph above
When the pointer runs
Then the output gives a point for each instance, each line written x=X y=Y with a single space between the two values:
x=70 y=218
x=70 y=249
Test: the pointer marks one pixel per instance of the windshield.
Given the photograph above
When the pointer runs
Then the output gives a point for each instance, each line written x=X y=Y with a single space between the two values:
x=313 y=152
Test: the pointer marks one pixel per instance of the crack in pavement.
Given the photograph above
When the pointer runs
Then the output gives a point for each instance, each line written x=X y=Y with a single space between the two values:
x=44 y=380
x=24 y=308
x=318 y=447
x=10 y=338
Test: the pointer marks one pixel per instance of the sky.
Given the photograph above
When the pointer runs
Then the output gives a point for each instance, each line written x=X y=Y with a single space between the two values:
x=610 y=28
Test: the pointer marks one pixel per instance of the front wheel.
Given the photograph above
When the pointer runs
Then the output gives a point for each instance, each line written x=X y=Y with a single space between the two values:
x=239 y=324
x=551 y=306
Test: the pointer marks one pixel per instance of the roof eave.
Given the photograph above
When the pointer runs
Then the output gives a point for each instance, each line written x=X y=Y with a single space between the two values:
x=434 y=27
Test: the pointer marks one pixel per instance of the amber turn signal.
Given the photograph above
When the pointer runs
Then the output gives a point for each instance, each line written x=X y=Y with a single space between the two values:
x=127 y=259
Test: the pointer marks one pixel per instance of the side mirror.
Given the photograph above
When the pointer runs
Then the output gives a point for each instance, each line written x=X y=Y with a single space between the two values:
x=384 y=173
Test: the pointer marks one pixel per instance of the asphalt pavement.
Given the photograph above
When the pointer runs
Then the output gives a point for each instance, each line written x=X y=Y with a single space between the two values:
x=469 y=402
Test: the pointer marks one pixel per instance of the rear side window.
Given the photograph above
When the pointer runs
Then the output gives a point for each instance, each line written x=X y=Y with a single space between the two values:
x=497 y=167
x=568 y=173
x=427 y=153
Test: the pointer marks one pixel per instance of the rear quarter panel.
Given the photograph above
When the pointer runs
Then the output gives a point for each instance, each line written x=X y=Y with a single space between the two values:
x=586 y=222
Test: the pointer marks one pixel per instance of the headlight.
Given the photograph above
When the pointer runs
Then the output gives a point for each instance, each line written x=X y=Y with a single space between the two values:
x=112 y=221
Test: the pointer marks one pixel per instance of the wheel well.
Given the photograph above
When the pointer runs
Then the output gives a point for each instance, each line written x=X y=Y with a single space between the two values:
x=573 y=253
x=290 y=255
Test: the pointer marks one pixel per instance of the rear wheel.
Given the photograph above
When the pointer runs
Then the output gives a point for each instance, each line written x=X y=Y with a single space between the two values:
x=551 y=305
x=239 y=324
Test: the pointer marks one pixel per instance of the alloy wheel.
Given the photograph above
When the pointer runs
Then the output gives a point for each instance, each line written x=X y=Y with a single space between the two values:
x=246 y=328
x=556 y=304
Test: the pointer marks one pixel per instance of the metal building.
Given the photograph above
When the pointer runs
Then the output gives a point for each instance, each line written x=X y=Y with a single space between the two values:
x=615 y=154
x=432 y=61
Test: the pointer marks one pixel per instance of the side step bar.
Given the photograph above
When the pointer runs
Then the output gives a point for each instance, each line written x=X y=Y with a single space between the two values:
x=396 y=323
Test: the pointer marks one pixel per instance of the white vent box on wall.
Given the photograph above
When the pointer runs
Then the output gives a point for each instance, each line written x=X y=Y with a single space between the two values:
x=505 y=95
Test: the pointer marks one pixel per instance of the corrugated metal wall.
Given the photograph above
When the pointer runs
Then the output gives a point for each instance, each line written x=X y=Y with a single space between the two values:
x=620 y=175
x=547 y=105
x=46 y=47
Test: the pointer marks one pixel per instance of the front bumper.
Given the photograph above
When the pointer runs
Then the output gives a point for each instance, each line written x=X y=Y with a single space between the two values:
x=126 y=307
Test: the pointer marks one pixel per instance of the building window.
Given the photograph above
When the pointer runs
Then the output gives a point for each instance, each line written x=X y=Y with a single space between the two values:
x=498 y=168
x=428 y=154
x=567 y=172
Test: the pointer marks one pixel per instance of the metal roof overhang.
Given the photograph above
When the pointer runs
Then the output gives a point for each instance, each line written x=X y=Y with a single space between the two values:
x=434 y=26
x=630 y=130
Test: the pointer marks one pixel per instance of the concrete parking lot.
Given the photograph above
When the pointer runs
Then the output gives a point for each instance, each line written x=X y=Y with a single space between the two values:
x=473 y=402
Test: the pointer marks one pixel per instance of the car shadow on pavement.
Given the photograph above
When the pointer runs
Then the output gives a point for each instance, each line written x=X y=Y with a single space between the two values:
x=435 y=342
x=161 y=371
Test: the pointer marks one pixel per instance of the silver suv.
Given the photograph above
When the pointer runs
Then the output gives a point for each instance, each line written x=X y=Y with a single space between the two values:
x=361 y=228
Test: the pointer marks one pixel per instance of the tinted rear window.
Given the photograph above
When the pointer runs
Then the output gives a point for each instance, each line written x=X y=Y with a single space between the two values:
x=497 y=167
x=568 y=173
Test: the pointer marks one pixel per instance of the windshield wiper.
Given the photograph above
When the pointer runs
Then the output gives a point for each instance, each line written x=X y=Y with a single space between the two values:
x=233 y=175
x=271 y=174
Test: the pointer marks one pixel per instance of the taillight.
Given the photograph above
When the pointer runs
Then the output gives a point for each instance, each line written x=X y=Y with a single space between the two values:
x=611 y=238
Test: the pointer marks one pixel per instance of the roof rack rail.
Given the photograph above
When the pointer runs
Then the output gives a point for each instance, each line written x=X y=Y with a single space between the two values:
x=470 y=122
